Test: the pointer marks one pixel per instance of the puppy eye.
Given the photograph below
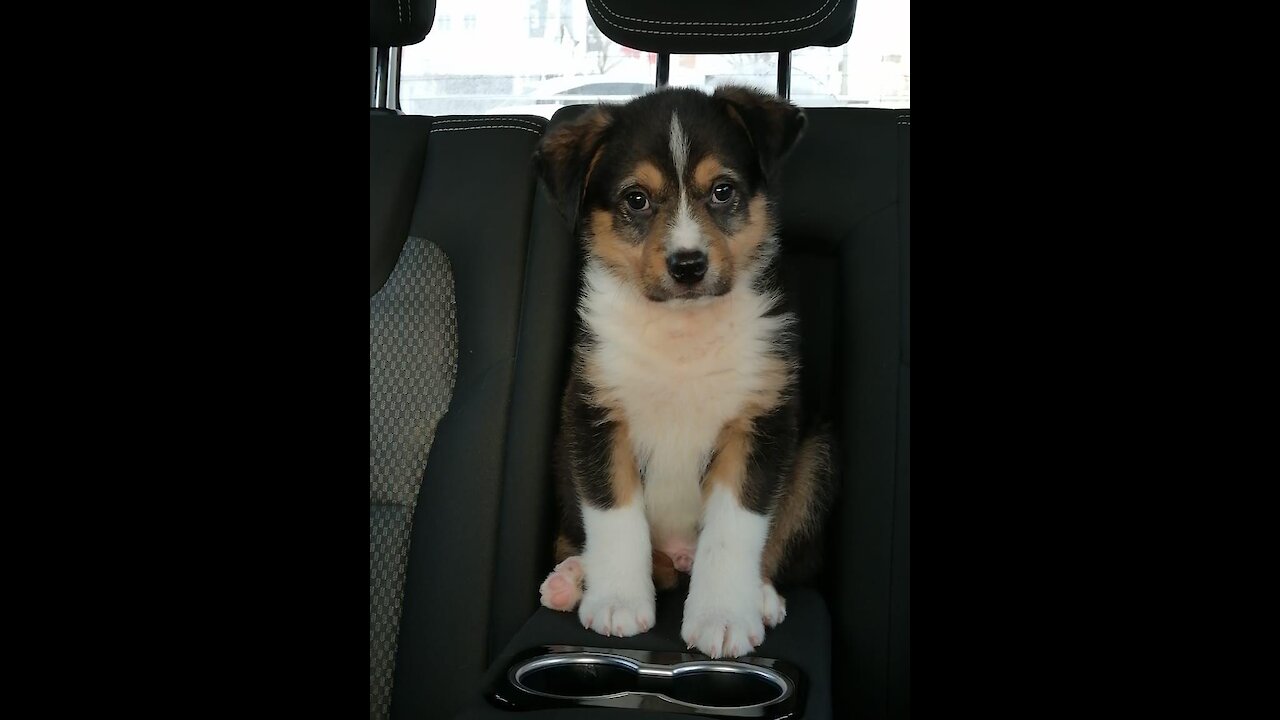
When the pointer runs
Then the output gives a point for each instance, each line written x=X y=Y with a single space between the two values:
x=721 y=193
x=637 y=201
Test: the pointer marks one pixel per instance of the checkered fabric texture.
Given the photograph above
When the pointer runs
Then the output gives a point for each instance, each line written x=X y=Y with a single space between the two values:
x=413 y=360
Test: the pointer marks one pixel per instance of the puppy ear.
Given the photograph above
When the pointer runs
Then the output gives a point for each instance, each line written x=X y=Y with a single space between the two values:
x=567 y=154
x=773 y=124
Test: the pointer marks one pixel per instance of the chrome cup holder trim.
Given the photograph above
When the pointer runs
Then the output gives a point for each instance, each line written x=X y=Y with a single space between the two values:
x=784 y=685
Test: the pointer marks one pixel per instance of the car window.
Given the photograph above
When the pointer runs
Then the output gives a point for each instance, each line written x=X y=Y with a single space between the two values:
x=535 y=56
x=609 y=89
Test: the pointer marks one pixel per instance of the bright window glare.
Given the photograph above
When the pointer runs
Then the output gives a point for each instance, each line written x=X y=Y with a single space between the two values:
x=483 y=58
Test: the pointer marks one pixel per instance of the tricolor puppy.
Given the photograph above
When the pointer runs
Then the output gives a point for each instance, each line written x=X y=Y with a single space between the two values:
x=681 y=446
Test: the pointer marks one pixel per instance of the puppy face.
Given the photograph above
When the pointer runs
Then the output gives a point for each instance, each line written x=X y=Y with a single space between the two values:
x=670 y=191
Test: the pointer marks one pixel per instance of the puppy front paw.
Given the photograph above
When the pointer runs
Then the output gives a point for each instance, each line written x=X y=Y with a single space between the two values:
x=616 y=614
x=723 y=624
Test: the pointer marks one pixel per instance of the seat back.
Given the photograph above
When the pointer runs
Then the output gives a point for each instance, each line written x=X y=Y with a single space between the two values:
x=845 y=228
x=473 y=250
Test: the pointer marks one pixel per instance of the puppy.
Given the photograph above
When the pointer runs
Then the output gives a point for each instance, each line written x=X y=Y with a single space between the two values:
x=680 y=447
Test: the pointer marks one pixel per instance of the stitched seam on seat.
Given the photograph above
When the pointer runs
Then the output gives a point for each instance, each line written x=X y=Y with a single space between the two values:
x=487 y=127
x=484 y=118
x=689 y=23
x=750 y=34
x=472 y=118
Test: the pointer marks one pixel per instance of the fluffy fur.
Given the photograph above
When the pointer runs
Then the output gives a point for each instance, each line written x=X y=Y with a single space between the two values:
x=681 y=445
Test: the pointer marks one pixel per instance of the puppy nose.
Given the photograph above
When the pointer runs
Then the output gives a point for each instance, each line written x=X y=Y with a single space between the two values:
x=687 y=266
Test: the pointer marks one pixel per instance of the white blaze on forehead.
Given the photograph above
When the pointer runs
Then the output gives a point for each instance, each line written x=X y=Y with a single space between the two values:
x=679 y=149
x=685 y=233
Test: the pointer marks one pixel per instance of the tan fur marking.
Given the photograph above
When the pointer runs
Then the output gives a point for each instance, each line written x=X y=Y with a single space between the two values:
x=795 y=514
x=650 y=178
x=719 y=253
x=746 y=244
x=708 y=169
x=625 y=476
x=654 y=255
x=619 y=255
x=729 y=468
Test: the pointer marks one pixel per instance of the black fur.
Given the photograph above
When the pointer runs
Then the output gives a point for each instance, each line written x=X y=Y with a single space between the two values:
x=588 y=433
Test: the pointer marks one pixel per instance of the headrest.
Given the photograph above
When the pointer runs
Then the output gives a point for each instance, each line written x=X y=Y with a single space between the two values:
x=738 y=26
x=396 y=23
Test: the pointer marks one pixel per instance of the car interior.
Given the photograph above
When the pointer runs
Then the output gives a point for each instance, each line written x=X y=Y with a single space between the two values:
x=473 y=283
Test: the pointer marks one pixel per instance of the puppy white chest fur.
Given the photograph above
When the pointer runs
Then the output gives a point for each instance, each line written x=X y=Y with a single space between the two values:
x=679 y=371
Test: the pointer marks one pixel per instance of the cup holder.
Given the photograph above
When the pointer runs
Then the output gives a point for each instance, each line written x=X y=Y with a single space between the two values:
x=577 y=675
x=727 y=685
x=674 y=682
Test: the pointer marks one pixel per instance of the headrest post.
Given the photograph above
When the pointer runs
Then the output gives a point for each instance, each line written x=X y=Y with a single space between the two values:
x=380 y=90
x=393 y=78
x=664 y=69
x=784 y=74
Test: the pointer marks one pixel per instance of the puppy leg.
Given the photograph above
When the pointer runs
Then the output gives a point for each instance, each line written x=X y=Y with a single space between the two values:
x=723 y=615
x=617 y=559
x=619 y=599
